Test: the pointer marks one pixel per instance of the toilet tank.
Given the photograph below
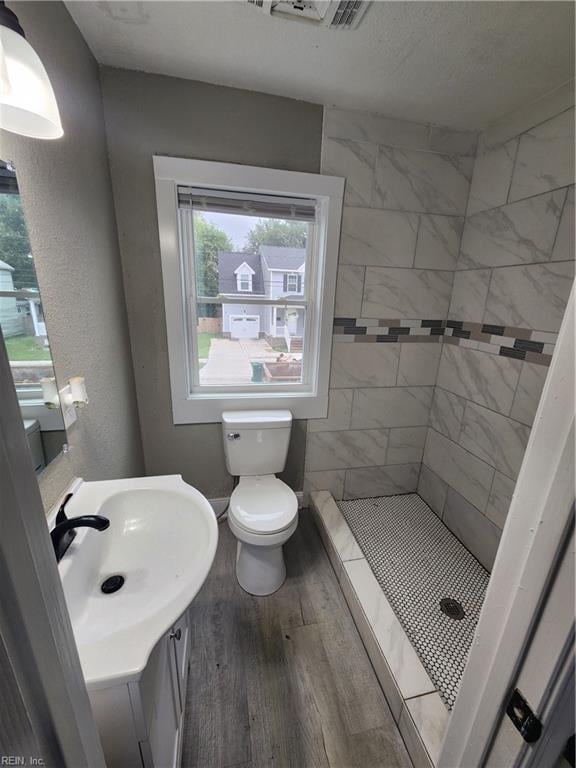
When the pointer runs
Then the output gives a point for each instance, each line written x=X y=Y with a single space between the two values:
x=256 y=442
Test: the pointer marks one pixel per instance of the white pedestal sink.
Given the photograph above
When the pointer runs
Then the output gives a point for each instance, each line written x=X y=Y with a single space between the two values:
x=134 y=644
x=162 y=539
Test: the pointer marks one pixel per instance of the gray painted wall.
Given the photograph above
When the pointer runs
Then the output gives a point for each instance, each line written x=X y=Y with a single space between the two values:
x=149 y=114
x=67 y=198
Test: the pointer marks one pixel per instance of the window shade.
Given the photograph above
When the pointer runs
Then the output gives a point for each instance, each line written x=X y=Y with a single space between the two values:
x=244 y=204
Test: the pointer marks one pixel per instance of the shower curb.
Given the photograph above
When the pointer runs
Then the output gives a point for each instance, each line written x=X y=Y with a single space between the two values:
x=413 y=698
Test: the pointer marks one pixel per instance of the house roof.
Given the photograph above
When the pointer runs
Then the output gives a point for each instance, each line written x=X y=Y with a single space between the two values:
x=5 y=266
x=228 y=263
x=270 y=257
x=244 y=268
x=279 y=257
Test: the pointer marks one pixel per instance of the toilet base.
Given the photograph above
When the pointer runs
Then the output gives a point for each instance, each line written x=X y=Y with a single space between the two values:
x=260 y=570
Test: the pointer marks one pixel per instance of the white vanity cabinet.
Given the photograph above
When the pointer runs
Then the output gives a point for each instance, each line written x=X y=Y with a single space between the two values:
x=141 y=722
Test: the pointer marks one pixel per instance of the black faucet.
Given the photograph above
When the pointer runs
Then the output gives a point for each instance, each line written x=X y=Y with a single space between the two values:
x=64 y=531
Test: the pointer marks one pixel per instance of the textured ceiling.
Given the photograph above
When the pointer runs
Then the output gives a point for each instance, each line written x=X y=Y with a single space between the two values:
x=461 y=64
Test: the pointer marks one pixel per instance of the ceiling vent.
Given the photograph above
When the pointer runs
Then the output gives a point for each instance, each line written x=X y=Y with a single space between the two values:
x=335 y=14
x=346 y=14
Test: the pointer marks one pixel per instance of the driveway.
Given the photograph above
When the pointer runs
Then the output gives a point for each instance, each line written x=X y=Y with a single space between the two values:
x=229 y=360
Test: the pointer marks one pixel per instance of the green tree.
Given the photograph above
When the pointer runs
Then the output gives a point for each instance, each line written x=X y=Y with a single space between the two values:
x=208 y=240
x=14 y=243
x=289 y=234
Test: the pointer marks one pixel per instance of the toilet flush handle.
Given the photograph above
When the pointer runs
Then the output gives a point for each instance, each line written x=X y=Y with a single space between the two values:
x=233 y=435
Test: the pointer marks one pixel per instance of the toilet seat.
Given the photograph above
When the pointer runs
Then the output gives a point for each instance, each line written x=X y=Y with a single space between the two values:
x=263 y=505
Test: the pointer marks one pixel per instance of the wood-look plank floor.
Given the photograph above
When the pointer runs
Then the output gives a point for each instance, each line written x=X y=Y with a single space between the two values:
x=283 y=680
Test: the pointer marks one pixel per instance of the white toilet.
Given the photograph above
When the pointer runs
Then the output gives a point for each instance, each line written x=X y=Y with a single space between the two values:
x=263 y=511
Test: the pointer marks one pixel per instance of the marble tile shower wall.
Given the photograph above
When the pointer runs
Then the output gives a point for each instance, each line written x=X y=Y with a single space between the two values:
x=513 y=276
x=407 y=187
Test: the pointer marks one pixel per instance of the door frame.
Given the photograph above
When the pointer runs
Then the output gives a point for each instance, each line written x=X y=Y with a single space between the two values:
x=35 y=630
x=559 y=713
x=539 y=522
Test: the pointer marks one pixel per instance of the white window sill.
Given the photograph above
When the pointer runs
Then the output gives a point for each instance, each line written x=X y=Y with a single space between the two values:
x=206 y=409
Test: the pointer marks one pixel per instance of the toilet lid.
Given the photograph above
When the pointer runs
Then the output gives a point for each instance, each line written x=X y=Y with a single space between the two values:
x=263 y=504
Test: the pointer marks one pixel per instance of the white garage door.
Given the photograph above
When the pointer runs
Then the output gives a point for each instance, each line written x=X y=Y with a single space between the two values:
x=244 y=326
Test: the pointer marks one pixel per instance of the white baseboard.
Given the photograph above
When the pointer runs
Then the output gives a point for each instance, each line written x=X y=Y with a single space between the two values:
x=219 y=505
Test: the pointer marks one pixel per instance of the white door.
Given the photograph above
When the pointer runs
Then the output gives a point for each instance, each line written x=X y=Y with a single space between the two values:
x=41 y=678
x=545 y=679
x=522 y=614
x=244 y=326
x=180 y=637
x=165 y=724
x=292 y=323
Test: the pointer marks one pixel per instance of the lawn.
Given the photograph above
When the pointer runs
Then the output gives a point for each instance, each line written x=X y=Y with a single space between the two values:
x=204 y=340
x=26 y=348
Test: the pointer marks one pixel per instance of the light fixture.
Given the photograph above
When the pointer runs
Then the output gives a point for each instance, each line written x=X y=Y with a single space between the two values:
x=72 y=395
x=27 y=102
x=78 y=391
x=50 y=393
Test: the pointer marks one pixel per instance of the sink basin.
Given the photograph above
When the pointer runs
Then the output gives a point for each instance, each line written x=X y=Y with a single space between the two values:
x=162 y=540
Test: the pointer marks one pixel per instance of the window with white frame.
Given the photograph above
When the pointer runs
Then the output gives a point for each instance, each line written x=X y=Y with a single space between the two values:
x=244 y=277
x=293 y=282
x=249 y=260
x=244 y=282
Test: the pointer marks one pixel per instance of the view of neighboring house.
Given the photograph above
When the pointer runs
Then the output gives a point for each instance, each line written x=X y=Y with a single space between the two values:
x=274 y=272
x=19 y=316
x=10 y=318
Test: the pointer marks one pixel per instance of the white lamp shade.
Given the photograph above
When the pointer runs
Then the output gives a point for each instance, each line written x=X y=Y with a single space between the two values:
x=78 y=389
x=50 y=393
x=27 y=102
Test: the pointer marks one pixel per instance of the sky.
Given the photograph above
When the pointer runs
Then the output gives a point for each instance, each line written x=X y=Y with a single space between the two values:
x=235 y=226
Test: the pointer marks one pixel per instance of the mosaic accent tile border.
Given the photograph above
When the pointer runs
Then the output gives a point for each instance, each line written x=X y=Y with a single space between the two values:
x=506 y=341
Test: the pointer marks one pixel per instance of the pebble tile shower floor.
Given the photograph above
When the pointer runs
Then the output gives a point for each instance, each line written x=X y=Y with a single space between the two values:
x=418 y=562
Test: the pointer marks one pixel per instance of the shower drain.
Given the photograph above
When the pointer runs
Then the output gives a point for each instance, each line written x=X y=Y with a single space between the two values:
x=452 y=608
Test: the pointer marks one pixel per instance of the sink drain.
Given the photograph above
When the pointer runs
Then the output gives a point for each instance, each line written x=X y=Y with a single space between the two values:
x=452 y=608
x=112 y=584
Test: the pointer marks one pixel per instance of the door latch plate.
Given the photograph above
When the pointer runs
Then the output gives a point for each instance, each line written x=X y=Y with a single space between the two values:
x=521 y=714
